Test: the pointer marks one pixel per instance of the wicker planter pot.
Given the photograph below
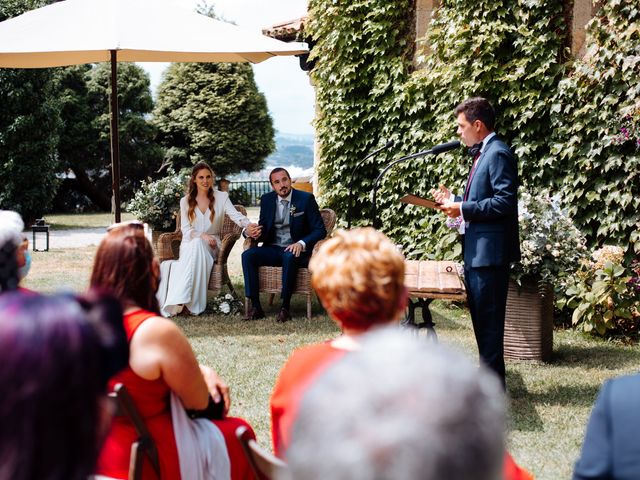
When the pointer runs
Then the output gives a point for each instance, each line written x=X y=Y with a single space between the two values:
x=528 y=328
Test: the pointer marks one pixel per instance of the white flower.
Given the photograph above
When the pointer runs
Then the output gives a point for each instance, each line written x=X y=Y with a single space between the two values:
x=225 y=308
x=228 y=296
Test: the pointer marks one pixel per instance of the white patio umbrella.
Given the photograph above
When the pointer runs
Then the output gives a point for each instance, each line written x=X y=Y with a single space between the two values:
x=73 y=32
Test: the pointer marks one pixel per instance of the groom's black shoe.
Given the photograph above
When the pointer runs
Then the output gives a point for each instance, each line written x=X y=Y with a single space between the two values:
x=283 y=315
x=255 y=313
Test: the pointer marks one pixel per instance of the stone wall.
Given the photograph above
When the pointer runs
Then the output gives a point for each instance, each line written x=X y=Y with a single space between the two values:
x=579 y=14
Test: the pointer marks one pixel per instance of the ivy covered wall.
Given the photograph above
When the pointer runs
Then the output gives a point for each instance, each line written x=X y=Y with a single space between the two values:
x=512 y=52
x=593 y=162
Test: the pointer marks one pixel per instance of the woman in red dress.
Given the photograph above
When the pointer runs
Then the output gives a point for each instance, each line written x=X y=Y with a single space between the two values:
x=359 y=278
x=161 y=361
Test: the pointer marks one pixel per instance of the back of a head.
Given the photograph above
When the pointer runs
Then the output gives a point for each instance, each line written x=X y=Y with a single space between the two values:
x=359 y=276
x=400 y=408
x=11 y=227
x=124 y=264
x=56 y=355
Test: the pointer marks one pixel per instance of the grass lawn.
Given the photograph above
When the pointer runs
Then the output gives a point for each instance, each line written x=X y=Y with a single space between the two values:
x=550 y=402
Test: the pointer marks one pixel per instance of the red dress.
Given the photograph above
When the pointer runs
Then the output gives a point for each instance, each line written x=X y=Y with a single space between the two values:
x=298 y=374
x=151 y=397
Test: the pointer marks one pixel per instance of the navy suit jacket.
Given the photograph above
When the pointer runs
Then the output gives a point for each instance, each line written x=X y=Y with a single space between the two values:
x=305 y=222
x=491 y=209
x=611 y=449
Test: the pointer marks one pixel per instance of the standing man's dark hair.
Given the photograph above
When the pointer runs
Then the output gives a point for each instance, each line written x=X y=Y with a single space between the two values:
x=488 y=209
x=478 y=108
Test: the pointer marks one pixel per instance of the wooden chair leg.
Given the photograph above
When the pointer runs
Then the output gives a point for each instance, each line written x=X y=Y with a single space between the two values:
x=135 y=462
x=246 y=306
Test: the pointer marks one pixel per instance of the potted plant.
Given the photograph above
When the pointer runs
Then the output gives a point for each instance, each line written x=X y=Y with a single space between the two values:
x=157 y=202
x=605 y=294
x=552 y=249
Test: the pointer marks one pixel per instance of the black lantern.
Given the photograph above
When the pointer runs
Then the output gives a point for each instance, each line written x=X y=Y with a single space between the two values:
x=40 y=227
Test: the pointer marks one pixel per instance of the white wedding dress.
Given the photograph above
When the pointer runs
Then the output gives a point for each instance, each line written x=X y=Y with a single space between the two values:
x=183 y=282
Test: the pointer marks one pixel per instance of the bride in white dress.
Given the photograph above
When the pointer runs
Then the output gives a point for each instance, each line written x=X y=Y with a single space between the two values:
x=184 y=282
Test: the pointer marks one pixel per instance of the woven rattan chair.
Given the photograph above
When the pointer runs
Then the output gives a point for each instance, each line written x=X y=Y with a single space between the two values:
x=169 y=249
x=271 y=277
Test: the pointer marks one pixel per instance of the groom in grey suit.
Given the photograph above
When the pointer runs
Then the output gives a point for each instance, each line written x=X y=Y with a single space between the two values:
x=489 y=209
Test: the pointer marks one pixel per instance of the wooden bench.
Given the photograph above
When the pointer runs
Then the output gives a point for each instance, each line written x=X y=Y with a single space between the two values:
x=426 y=281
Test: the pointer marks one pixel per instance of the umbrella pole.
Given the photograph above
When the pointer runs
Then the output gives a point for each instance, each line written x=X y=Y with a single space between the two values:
x=115 y=140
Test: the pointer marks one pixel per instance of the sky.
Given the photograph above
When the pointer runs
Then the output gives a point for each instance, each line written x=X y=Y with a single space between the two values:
x=289 y=94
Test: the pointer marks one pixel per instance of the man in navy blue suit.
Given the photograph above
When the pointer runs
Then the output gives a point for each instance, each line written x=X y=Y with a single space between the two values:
x=289 y=227
x=489 y=210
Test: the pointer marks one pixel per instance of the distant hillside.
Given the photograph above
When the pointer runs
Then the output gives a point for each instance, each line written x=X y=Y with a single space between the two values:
x=292 y=150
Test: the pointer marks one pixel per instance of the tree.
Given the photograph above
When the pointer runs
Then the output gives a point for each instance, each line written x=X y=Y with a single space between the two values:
x=29 y=124
x=85 y=142
x=213 y=112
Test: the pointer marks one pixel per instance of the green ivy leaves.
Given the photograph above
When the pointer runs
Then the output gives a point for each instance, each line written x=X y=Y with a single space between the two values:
x=558 y=117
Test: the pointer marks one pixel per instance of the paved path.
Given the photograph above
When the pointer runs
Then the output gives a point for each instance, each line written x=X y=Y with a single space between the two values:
x=85 y=237
x=75 y=238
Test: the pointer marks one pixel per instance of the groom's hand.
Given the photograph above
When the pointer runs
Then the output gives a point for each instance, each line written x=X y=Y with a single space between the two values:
x=295 y=248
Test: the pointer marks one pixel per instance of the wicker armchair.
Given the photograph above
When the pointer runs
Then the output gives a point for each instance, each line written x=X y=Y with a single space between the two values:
x=271 y=277
x=169 y=249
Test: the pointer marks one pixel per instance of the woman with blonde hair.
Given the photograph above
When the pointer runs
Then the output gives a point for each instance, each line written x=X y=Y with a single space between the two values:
x=359 y=278
x=163 y=373
x=184 y=281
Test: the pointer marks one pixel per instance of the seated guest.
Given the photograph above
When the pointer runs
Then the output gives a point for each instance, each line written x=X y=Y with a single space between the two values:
x=56 y=355
x=162 y=370
x=611 y=449
x=11 y=227
x=23 y=256
x=289 y=227
x=397 y=408
x=359 y=278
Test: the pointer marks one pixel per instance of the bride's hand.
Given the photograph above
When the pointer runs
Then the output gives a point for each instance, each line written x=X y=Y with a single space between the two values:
x=211 y=240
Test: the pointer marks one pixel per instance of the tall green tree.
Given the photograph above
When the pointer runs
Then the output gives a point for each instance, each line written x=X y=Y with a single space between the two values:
x=85 y=141
x=213 y=112
x=29 y=124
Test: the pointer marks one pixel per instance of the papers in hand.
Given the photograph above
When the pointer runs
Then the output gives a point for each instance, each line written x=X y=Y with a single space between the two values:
x=422 y=202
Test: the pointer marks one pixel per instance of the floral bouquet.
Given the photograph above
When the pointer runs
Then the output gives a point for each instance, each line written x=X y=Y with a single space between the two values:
x=157 y=202
x=552 y=246
x=454 y=223
x=225 y=305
